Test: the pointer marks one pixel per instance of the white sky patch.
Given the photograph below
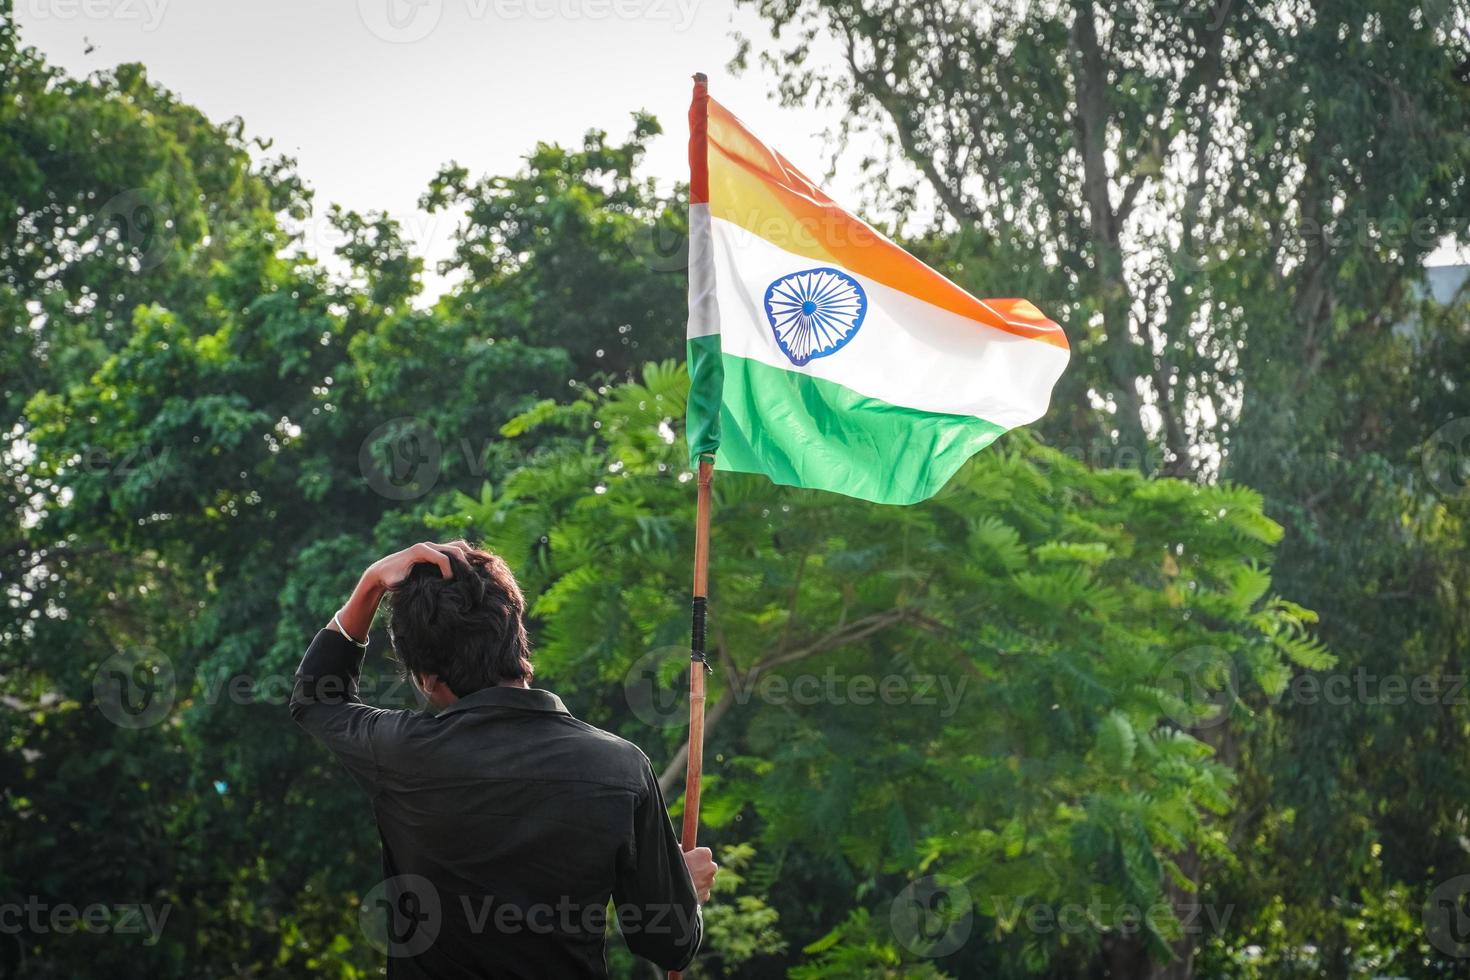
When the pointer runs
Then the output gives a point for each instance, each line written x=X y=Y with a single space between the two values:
x=373 y=96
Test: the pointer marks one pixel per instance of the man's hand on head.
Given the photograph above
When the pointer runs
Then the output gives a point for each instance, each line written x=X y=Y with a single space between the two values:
x=355 y=618
x=390 y=570
x=702 y=868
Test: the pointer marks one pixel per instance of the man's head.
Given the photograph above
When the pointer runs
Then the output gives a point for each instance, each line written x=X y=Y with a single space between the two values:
x=464 y=633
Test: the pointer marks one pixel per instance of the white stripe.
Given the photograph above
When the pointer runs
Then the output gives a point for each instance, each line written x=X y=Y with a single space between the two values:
x=906 y=352
x=704 y=311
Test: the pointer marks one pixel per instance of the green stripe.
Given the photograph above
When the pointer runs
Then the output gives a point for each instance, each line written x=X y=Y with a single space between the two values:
x=807 y=432
x=706 y=377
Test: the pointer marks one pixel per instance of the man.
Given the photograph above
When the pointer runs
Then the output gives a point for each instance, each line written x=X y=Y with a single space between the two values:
x=507 y=824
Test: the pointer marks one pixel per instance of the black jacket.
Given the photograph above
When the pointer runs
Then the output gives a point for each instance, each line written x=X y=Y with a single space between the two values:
x=507 y=825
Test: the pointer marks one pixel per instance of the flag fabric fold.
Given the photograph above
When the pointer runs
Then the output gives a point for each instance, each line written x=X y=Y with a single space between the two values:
x=822 y=354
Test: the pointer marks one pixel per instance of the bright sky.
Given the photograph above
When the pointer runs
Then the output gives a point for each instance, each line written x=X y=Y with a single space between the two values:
x=372 y=96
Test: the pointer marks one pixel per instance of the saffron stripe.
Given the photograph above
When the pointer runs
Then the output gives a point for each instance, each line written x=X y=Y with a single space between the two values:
x=757 y=188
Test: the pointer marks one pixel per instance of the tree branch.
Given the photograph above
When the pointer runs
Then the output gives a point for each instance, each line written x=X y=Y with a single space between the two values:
x=859 y=629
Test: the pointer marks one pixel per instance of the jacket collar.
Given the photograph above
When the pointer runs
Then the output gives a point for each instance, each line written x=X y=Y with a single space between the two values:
x=519 y=698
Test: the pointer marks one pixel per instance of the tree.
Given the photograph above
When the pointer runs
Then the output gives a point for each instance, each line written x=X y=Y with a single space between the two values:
x=1228 y=206
x=1194 y=190
x=985 y=687
x=1093 y=704
x=576 y=251
x=211 y=436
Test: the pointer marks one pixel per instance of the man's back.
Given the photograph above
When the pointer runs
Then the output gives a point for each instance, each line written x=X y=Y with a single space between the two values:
x=507 y=826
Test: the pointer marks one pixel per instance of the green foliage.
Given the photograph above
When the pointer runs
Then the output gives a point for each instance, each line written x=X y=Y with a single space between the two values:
x=1229 y=206
x=977 y=686
x=575 y=252
x=740 y=927
x=851 y=951
x=190 y=400
x=1070 y=691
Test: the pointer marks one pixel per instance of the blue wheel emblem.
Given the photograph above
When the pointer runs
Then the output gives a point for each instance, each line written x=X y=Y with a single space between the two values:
x=815 y=312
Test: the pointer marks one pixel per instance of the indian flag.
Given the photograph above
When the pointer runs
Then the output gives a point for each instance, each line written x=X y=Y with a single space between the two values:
x=823 y=355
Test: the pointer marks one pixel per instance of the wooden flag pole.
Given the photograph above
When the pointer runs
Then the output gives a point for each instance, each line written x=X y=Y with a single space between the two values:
x=698 y=665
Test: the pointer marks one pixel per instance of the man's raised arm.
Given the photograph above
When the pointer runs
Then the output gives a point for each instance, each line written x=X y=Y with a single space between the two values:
x=325 y=700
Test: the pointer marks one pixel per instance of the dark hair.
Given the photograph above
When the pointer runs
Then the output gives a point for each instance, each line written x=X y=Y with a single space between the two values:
x=468 y=630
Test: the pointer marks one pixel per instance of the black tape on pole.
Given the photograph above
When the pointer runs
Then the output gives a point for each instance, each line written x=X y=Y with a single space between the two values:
x=697 y=632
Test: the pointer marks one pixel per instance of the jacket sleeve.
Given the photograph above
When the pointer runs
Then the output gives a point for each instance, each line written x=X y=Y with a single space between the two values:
x=325 y=702
x=658 y=911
